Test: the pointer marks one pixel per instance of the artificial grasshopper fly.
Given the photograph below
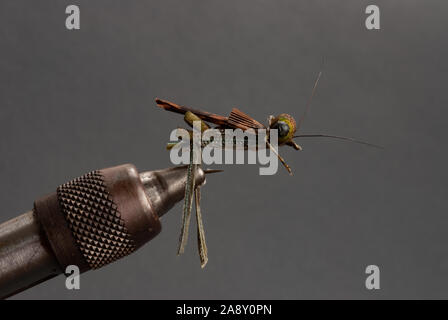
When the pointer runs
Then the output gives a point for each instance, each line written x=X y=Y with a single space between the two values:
x=286 y=128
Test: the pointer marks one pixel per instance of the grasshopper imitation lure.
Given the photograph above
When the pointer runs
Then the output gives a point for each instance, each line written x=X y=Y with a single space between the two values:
x=286 y=128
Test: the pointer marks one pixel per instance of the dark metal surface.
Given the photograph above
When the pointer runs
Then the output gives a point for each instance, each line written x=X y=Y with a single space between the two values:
x=57 y=232
x=127 y=192
x=26 y=258
x=92 y=220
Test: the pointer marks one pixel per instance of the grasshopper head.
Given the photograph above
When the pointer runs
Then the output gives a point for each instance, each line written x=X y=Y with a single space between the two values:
x=286 y=126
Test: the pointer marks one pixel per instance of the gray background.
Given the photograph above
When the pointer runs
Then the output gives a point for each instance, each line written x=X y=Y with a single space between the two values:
x=74 y=101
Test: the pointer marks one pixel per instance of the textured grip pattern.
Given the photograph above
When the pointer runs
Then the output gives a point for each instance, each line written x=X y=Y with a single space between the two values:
x=94 y=220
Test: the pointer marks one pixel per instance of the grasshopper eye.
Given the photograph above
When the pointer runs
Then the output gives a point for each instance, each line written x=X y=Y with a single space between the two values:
x=282 y=127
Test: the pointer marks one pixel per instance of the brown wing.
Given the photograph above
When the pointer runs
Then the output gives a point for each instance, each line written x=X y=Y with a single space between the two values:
x=239 y=119
x=206 y=116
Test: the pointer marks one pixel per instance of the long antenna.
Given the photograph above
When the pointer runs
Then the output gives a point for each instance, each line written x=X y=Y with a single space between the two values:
x=338 y=137
x=308 y=104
